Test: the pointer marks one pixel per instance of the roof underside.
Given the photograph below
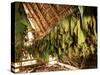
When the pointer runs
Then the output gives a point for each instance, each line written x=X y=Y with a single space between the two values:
x=44 y=16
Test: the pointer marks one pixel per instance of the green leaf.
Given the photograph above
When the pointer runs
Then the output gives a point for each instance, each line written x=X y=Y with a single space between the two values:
x=81 y=36
x=25 y=22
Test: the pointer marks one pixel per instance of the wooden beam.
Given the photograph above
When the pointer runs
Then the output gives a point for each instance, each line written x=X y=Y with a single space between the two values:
x=34 y=16
x=42 y=19
x=54 y=11
x=70 y=10
x=67 y=66
x=29 y=16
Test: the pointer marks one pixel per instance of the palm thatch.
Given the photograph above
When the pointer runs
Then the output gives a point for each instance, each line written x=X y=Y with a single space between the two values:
x=44 y=16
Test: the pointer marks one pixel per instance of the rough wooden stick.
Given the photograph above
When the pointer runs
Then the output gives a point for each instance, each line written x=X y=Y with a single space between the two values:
x=67 y=66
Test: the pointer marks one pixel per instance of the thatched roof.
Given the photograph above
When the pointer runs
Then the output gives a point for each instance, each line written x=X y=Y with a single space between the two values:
x=43 y=16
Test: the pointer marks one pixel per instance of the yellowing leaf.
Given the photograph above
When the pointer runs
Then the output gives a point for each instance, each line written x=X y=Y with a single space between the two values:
x=81 y=37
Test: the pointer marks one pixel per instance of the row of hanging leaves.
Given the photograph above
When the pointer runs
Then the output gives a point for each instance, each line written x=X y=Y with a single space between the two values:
x=68 y=39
